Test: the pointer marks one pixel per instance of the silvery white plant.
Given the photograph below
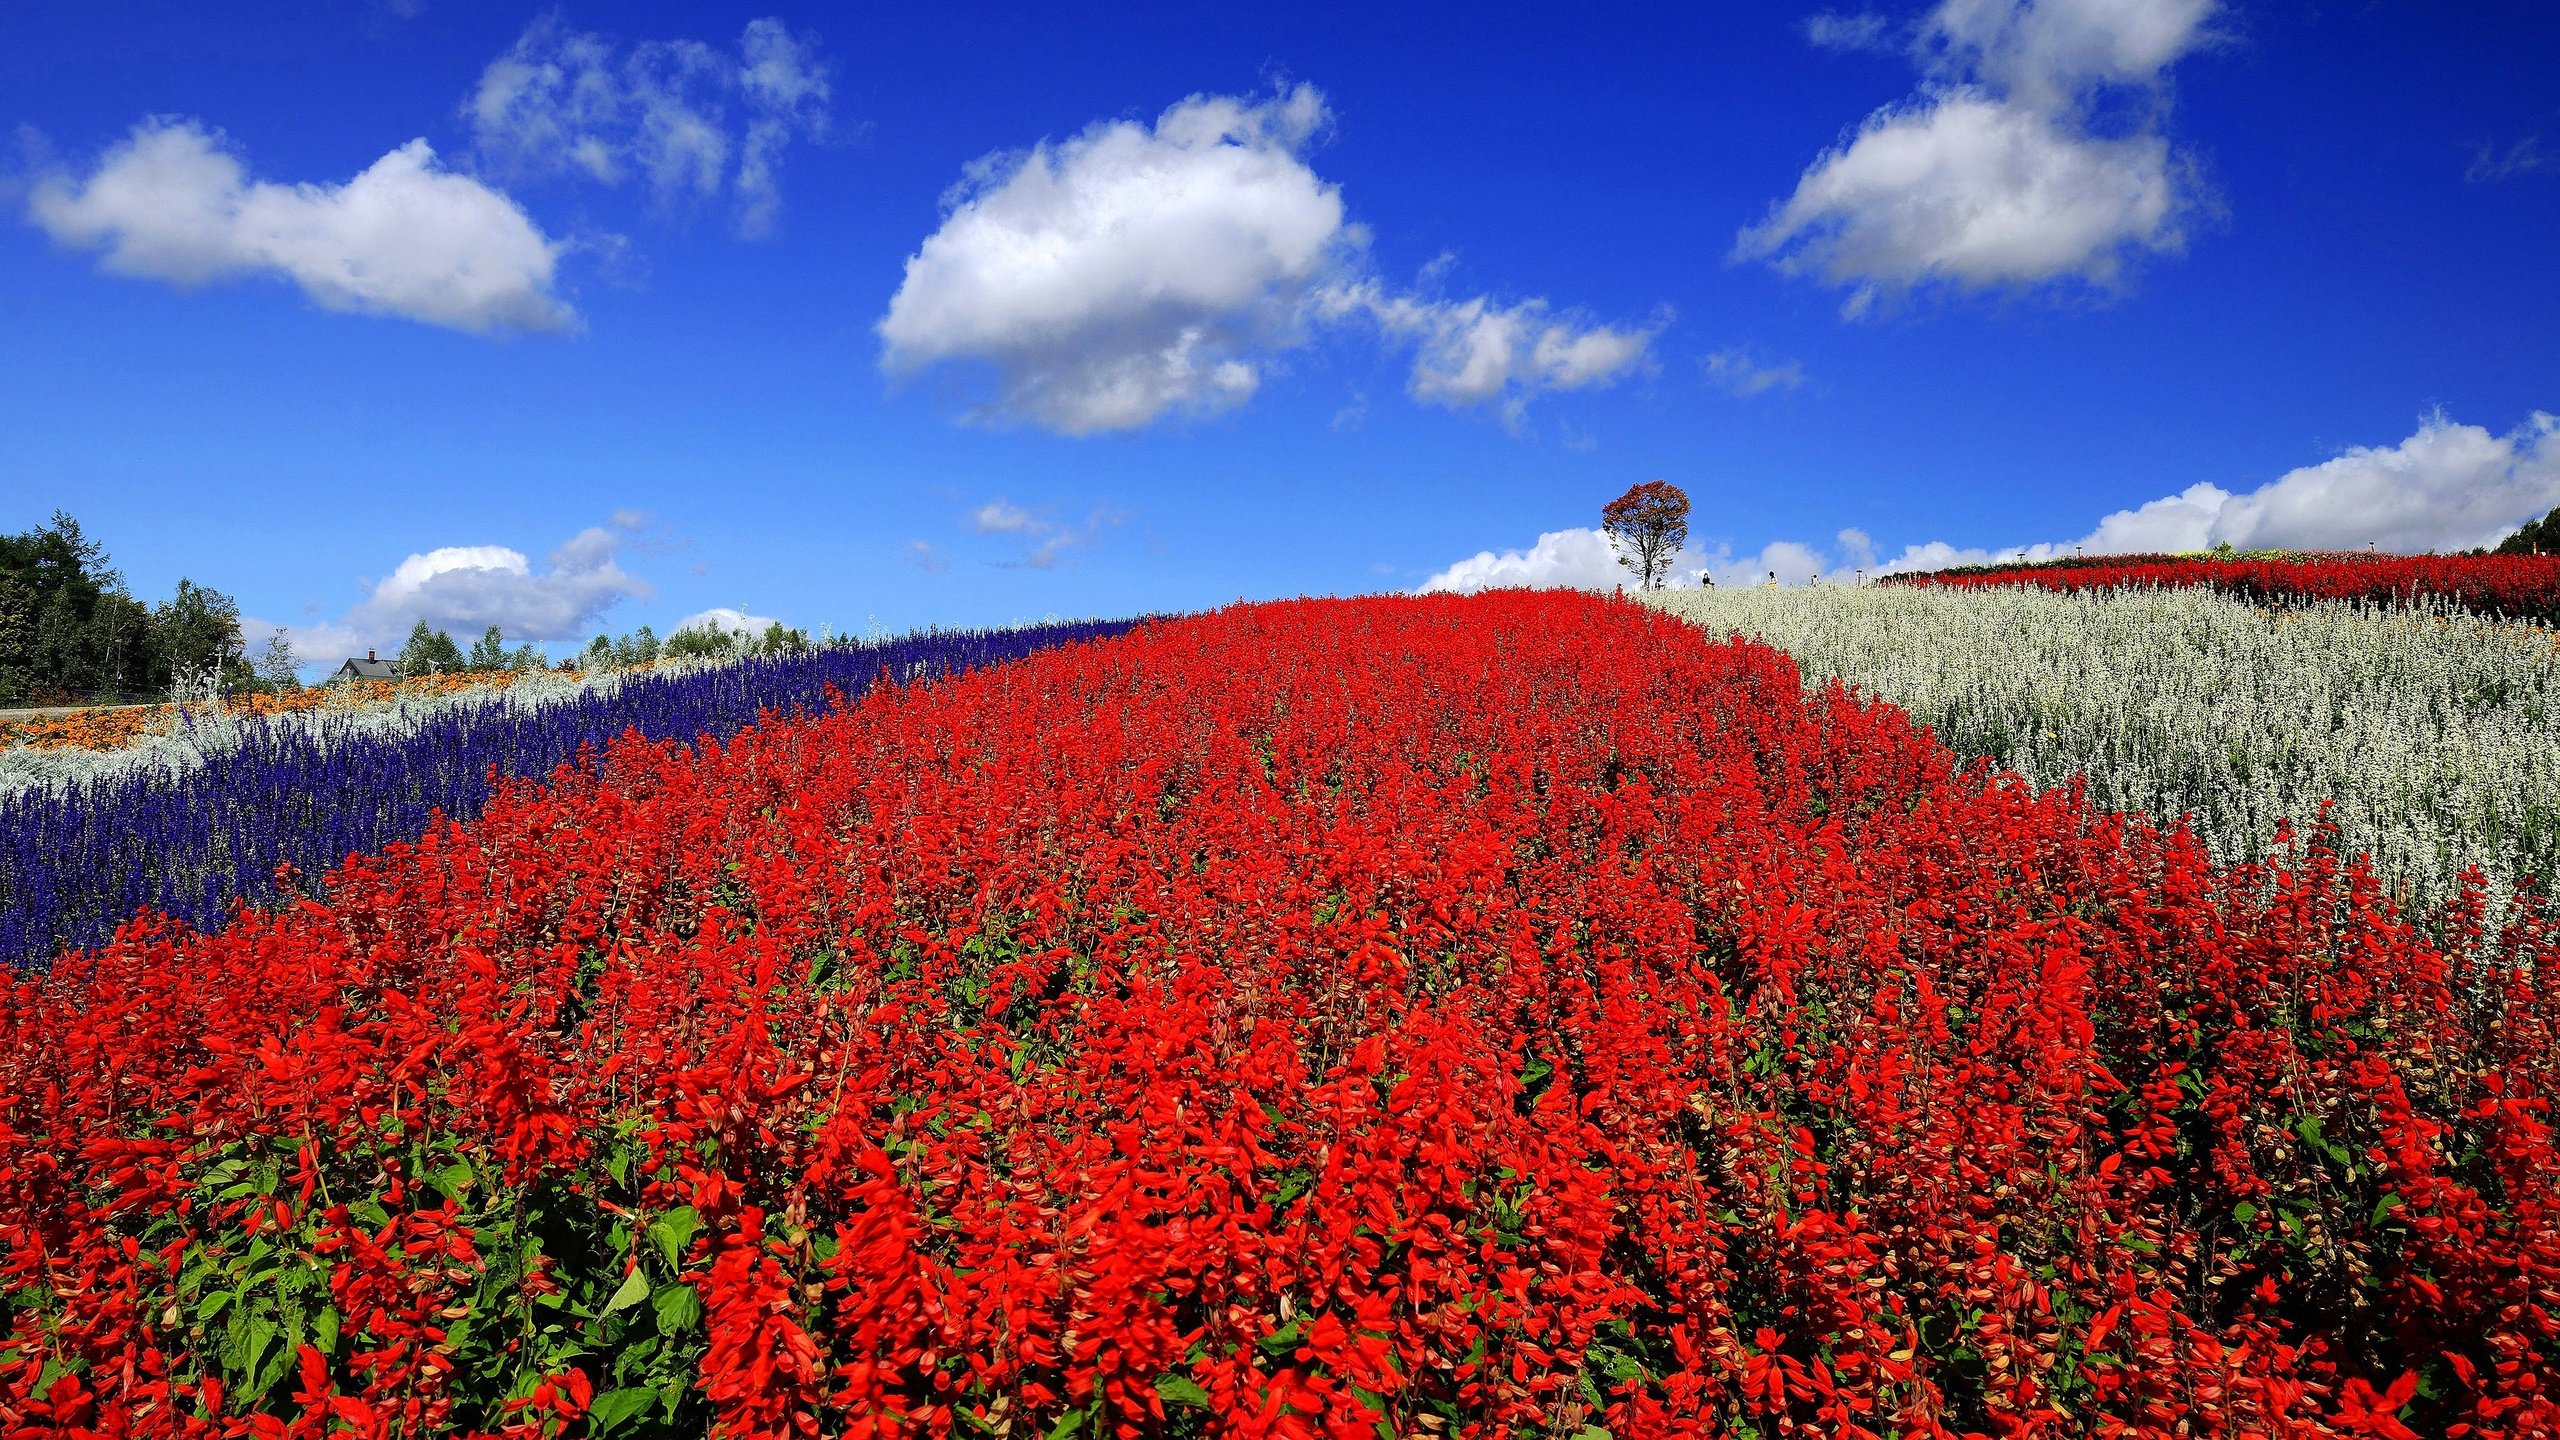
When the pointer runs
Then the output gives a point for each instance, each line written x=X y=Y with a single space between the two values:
x=2436 y=733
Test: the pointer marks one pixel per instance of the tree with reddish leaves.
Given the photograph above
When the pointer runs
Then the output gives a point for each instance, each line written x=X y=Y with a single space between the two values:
x=1648 y=525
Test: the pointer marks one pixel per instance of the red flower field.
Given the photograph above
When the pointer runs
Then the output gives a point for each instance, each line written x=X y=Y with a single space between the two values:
x=1511 y=1016
x=2517 y=587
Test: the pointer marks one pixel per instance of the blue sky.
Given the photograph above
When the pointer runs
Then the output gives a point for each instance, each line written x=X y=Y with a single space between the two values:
x=779 y=309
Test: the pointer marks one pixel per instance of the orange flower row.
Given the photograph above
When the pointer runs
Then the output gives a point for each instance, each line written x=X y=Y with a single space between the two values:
x=114 y=728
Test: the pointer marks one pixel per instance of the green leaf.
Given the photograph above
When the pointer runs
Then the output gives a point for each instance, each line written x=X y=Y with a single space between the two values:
x=678 y=1308
x=2244 y=1212
x=2384 y=1206
x=635 y=1288
x=674 y=1231
x=1181 y=1390
x=214 y=1304
x=1068 y=1424
x=453 y=1180
x=616 y=1408
x=1283 y=1339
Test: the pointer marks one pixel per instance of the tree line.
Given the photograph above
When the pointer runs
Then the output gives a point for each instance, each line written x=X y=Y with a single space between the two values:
x=70 y=630
x=72 y=633
x=430 y=651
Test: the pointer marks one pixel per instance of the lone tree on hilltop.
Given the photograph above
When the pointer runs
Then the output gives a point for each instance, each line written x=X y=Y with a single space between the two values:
x=1648 y=525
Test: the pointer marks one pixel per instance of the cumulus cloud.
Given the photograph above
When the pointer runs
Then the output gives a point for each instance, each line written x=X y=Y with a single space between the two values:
x=688 y=121
x=2052 y=54
x=2446 y=487
x=1129 y=271
x=1736 y=372
x=406 y=237
x=2033 y=152
x=464 y=589
x=1135 y=272
x=727 y=620
x=1576 y=559
x=1478 y=352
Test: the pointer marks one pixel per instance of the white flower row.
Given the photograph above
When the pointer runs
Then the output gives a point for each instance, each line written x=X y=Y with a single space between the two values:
x=176 y=742
x=2436 y=734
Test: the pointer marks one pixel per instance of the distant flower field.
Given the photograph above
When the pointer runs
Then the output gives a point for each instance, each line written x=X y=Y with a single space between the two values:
x=207 y=812
x=2516 y=587
x=114 y=727
x=2433 y=736
x=1516 y=1016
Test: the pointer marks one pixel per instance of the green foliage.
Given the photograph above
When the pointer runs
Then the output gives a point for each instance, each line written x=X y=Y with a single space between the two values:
x=429 y=652
x=199 y=635
x=68 y=630
x=489 y=652
x=708 y=641
x=2537 y=537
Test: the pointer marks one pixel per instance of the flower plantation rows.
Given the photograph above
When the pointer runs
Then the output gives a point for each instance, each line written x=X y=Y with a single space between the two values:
x=114 y=727
x=2520 y=587
x=190 y=828
x=2432 y=737
x=1513 y=1016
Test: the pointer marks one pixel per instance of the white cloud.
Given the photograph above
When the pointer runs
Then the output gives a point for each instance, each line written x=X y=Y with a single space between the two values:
x=2001 y=171
x=1001 y=517
x=688 y=120
x=464 y=589
x=1130 y=271
x=2521 y=158
x=1475 y=351
x=1967 y=188
x=2446 y=487
x=1134 y=272
x=727 y=620
x=1578 y=559
x=1044 y=539
x=405 y=237
x=927 y=556
x=1735 y=371
x=1831 y=30
x=2049 y=54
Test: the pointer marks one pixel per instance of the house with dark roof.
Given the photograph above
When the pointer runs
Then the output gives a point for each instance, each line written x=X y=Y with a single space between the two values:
x=371 y=667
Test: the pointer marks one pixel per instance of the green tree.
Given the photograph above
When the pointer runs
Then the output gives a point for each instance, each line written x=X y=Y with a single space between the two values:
x=528 y=658
x=705 y=641
x=489 y=652
x=778 y=640
x=2537 y=537
x=428 y=651
x=1648 y=525
x=637 y=648
x=68 y=630
x=199 y=634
